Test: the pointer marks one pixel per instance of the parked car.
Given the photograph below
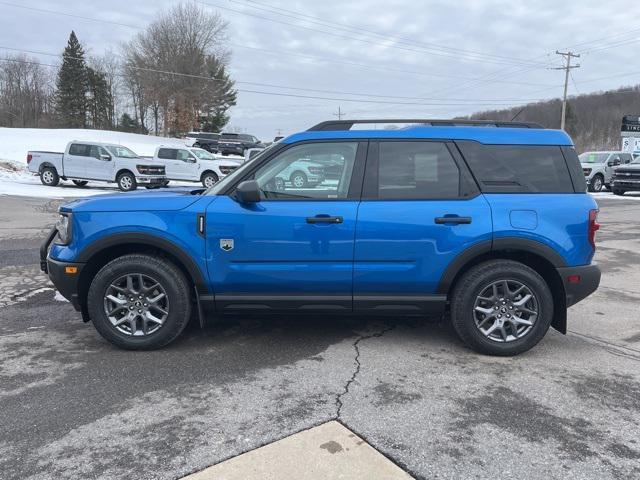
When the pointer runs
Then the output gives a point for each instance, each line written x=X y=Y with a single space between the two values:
x=626 y=178
x=598 y=167
x=237 y=143
x=194 y=164
x=491 y=228
x=301 y=173
x=84 y=161
x=206 y=140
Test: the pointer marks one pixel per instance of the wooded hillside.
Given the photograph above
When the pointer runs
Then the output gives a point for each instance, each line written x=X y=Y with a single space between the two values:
x=593 y=120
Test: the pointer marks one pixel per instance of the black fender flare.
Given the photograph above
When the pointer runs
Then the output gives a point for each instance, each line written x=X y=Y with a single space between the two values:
x=129 y=238
x=44 y=165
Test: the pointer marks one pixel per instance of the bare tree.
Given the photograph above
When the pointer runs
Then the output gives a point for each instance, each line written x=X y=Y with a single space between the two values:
x=168 y=67
x=26 y=90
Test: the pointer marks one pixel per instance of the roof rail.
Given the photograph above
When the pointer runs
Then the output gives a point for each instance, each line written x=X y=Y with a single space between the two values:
x=347 y=124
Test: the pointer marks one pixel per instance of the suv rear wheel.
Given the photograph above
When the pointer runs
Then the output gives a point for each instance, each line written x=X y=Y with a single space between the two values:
x=126 y=182
x=49 y=177
x=501 y=307
x=139 y=302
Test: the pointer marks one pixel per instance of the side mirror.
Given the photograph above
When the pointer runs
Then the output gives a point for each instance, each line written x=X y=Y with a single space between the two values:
x=248 y=192
x=105 y=157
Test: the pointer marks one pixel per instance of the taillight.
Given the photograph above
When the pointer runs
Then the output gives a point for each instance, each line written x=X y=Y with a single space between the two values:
x=29 y=158
x=594 y=226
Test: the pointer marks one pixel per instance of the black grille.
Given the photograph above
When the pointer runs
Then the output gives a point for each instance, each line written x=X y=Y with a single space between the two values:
x=627 y=174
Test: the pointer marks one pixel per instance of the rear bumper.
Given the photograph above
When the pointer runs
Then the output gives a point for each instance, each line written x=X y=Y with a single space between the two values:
x=579 y=282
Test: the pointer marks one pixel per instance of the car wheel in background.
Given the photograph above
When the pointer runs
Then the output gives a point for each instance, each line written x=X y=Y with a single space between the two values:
x=126 y=182
x=596 y=183
x=501 y=307
x=152 y=187
x=49 y=177
x=139 y=302
x=80 y=183
x=298 y=179
x=209 y=179
x=618 y=191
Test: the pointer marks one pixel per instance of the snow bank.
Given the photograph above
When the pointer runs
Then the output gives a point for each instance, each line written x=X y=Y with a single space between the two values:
x=16 y=142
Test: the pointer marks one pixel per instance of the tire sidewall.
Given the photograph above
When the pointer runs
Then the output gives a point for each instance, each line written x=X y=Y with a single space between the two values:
x=133 y=182
x=469 y=332
x=592 y=184
x=55 y=178
x=209 y=175
x=176 y=289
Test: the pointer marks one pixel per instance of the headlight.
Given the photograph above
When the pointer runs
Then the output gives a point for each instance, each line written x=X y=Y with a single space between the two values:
x=63 y=226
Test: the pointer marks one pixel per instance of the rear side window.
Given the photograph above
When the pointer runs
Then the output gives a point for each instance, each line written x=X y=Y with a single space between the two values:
x=79 y=150
x=167 y=153
x=518 y=168
x=417 y=170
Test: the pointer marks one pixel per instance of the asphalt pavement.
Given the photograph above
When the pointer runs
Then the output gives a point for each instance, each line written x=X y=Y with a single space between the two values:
x=73 y=406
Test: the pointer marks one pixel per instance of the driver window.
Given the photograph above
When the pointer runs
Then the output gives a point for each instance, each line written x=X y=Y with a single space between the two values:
x=184 y=155
x=319 y=171
x=94 y=152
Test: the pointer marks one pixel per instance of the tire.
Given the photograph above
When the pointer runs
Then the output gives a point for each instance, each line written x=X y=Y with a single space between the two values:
x=127 y=182
x=298 y=179
x=49 y=177
x=209 y=179
x=176 y=302
x=474 y=285
x=152 y=187
x=80 y=183
x=618 y=191
x=596 y=183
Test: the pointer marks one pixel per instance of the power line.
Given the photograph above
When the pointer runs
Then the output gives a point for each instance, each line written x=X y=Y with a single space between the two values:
x=282 y=94
x=279 y=53
x=351 y=28
x=339 y=35
x=286 y=87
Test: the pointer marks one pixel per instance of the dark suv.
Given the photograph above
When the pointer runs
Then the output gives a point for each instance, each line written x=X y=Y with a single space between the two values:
x=486 y=223
x=237 y=143
x=206 y=140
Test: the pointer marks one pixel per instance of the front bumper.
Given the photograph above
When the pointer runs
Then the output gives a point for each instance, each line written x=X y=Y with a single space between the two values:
x=65 y=276
x=626 y=184
x=579 y=282
x=151 y=180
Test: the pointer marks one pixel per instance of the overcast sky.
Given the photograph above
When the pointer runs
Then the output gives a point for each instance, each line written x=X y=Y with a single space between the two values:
x=446 y=58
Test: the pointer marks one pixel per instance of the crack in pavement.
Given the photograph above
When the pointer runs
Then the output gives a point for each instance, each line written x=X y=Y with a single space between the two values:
x=356 y=346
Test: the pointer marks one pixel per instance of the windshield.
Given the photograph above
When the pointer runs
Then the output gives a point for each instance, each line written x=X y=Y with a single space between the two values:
x=229 y=179
x=202 y=154
x=589 y=157
x=120 y=151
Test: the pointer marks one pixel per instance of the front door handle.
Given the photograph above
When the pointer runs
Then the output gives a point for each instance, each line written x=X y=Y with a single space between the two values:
x=452 y=220
x=324 y=219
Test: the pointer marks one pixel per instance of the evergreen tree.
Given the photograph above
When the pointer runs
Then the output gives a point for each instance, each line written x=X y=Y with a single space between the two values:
x=99 y=99
x=71 y=86
x=219 y=97
x=128 y=124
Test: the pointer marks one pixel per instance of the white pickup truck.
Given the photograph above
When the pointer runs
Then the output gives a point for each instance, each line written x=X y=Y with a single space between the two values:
x=191 y=164
x=84 y=161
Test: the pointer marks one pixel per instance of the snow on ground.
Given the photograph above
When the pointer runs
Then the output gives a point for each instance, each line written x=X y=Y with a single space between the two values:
x=16 y=142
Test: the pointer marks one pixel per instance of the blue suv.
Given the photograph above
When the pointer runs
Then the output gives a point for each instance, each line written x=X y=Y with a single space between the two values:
x=486 y=223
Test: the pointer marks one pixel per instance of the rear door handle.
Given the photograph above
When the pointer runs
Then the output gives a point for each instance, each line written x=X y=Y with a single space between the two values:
x=452 y=220
x=324 y=219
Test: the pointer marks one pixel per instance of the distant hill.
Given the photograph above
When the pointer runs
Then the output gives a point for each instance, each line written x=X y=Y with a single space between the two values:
x=593 y=120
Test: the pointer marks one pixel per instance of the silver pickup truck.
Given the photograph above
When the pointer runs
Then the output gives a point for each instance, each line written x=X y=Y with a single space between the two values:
x=84 y=161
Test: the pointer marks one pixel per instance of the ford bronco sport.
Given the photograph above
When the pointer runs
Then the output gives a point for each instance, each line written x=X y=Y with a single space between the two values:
x=486 y=223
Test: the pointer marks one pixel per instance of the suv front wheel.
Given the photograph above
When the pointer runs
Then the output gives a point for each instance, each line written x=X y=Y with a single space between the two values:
x=596 y=183
x=501 y=307
x=139 y=302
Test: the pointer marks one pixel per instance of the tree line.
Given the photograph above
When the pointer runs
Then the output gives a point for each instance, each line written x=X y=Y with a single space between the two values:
x=593 y=120
x=169 y=79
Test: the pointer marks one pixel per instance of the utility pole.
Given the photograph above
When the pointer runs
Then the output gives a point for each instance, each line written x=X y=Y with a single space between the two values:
x=567 y=68
x=340 y=114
